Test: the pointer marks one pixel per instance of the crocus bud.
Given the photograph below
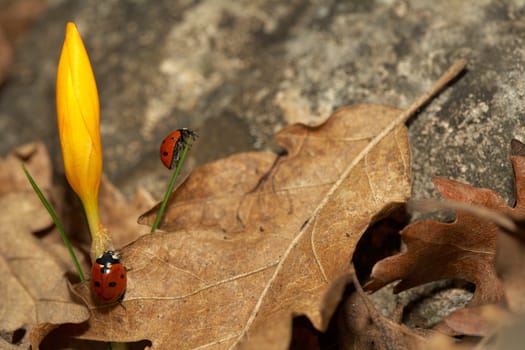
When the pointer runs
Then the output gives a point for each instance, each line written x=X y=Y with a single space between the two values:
x=78 y=116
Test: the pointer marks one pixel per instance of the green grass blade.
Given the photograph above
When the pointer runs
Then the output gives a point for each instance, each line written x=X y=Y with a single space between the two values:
x=57 y=222
x=170 y=188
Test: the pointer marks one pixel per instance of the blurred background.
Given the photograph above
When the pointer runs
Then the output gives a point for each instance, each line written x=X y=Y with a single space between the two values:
x=238 y=71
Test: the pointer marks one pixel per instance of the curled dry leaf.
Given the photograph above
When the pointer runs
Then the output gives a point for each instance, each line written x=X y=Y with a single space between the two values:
x=363 y=327
x=510 y=255
x=479 y=246
x=464 y=249
x=257 y=239
x=34 y=283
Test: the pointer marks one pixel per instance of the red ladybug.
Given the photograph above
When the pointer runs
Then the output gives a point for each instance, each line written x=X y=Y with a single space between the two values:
x=108 y=277
x=173 y=144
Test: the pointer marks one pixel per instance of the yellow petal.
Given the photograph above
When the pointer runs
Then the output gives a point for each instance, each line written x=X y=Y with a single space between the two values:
x=78 y=123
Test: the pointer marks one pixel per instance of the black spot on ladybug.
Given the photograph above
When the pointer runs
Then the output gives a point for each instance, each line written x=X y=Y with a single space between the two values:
x=112 y=284
x=121 y=276
x=97 y=284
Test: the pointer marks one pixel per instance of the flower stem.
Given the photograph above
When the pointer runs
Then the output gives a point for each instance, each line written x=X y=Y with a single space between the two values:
x=171 y=185
x=57 y=222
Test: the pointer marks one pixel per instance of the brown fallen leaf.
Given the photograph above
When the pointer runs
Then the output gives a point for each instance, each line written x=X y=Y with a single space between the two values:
x=510 y=257
x=356 y=324
x=292 y=236
x=363 y=327
x=296 y=221
x=464 y=249
x=204 y=199
x=295 y=229
x=496 y=322
x=441 y=341
x=33 y=285
x=484 y=245
x=119 y=214
x=503 y=330
x=37 y=161
x=35 y=288
x=509 y=265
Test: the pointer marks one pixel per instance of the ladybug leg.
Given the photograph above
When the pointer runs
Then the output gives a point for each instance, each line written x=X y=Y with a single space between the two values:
x=121 y=303
x=186 y=137
x=179 y=147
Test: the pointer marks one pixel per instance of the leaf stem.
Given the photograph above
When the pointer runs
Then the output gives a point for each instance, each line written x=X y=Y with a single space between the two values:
x=171 y=185
x=57 y=222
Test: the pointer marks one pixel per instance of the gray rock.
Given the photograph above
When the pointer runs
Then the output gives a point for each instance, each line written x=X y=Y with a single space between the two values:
x=239 y=72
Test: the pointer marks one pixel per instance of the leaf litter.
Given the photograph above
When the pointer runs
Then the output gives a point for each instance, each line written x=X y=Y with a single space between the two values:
x=464 y=249
x=485 y=245
x=242 y=256
x=256 y=238
x=34 y=289
x=36 y=268
x=232 y=287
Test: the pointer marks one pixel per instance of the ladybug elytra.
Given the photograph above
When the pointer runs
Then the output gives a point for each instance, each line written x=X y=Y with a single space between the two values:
x=108 y=277
x=173 y=144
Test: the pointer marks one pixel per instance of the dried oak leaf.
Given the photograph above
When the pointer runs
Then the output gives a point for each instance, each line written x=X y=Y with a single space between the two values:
x=357 y=324
x=255 y=239
x=36 y=160
x=363 y=326
x=464 y=249
x=509 y=261
x=479 y=318
x=119 y=215
x=510 y=252
x=33 y=286
x=34 y=268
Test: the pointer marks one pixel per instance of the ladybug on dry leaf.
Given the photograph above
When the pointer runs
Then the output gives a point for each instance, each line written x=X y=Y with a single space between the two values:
x=108 y=277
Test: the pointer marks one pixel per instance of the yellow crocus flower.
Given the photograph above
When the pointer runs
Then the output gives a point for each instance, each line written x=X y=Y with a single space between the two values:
x=78 y=117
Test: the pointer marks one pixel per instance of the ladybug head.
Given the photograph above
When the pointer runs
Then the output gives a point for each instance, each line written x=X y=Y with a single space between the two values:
x=109 y=257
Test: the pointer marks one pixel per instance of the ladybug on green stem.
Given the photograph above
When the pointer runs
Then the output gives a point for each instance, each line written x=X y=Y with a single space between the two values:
x=173 y=145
